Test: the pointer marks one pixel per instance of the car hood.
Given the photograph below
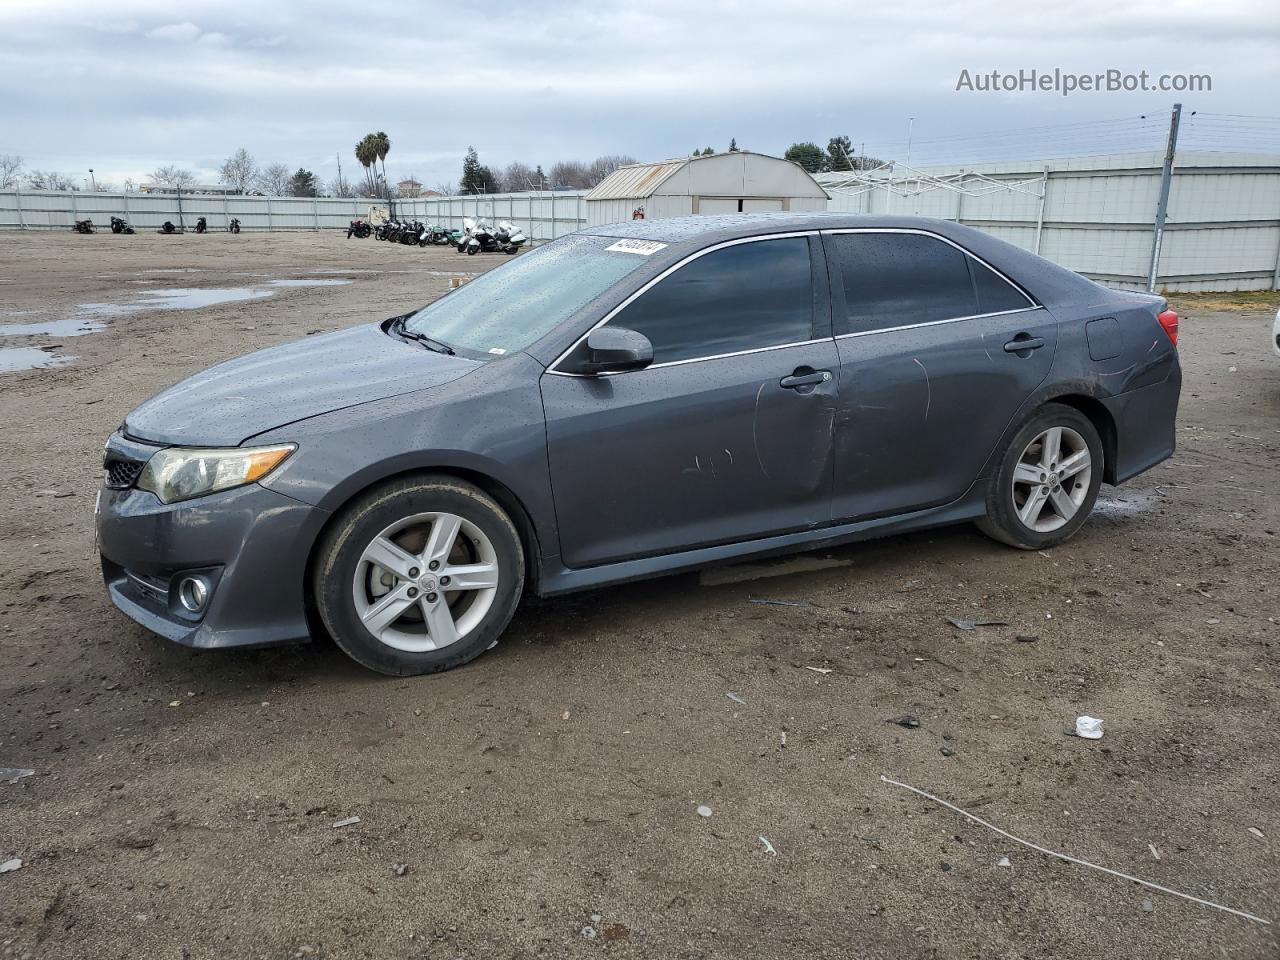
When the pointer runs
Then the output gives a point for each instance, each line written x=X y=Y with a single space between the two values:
x=232 y=401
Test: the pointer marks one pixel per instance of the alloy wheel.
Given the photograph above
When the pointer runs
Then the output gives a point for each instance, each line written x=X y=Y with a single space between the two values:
x=1051 y=479
x=425 y=582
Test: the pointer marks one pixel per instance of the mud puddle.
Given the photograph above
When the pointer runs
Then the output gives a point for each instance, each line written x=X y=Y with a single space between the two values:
x=14 y=359
x=93 y=317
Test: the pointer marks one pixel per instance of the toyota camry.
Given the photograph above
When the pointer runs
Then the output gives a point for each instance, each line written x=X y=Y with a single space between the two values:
x=630 y=401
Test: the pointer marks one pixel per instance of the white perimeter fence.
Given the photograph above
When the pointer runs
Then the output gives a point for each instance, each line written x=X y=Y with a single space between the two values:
x=1094 y=215
x=543 y=216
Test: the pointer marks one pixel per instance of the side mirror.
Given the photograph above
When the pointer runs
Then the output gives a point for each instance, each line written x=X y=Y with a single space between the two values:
x=614 y=350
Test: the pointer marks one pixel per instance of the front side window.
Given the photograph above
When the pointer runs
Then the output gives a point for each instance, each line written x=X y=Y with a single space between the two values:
x=511 y=306
x=741 y=297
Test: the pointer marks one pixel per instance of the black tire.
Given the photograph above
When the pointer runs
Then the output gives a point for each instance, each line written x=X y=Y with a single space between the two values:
x=362 y=520
x=472 y=251
x=1002 y=522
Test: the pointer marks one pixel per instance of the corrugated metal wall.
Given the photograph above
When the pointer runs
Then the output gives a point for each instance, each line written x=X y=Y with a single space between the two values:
x=1222 y=232
x=1223 y=228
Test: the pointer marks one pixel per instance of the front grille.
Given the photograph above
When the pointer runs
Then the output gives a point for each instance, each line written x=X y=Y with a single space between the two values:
x=121 y=474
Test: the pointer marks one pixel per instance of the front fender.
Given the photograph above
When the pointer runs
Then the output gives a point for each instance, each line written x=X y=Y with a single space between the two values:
x=492 y=427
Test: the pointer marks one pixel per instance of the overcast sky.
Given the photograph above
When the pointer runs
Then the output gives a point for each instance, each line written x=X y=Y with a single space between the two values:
x=128 y=85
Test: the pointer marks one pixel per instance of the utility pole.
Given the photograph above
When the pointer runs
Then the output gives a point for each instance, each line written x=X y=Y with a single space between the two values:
x=911 y=123
x=93 y=180
x=338 y=156
x=1162 y=206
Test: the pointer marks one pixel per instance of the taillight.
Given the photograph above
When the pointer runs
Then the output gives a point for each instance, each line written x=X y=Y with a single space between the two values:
x=1169 y=320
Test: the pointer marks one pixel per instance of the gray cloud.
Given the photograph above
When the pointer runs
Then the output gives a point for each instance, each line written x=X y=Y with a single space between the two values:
x=540 y=80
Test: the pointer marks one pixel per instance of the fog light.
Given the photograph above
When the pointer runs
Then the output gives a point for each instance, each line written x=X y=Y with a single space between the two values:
x=193 y=593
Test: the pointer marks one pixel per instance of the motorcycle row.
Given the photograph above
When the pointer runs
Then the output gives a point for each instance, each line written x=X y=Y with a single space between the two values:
x=477 y=237
x=121 y=225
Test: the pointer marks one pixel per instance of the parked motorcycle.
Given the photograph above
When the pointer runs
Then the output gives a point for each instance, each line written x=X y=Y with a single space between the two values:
x=83 y=226
x=359 y=229
x=234 y=225
x=441 y=237
x=202 y=225
x=120 y=225
x=480 y=238
x=168 y=227
x=412 y=233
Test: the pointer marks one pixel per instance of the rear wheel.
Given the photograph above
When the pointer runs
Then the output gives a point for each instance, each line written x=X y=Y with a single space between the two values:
x=1047 y=480
x=419 y=575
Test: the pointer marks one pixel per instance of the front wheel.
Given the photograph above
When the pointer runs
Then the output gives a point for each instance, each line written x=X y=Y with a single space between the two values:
x=472 y=249
x=419 y=575
x=1047 y=480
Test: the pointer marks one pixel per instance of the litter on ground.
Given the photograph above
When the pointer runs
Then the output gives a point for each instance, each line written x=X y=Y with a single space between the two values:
x=1070 y=859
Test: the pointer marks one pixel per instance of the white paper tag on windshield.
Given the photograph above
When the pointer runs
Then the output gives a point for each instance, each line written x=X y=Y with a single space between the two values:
x=644 y=248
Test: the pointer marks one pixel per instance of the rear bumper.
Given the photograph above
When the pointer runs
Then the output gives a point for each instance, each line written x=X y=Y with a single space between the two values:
x=250 y=545
x=1146 y=425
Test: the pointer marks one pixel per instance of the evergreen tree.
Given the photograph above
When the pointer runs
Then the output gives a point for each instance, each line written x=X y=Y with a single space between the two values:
x=807 y=155
x=472 y=176
x=304 y=184
x=839 y=154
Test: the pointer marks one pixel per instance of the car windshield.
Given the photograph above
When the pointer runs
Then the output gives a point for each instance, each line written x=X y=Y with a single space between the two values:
x=511 y=306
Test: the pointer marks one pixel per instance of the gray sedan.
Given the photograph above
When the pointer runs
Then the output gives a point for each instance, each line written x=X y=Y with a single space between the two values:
x=629 y=401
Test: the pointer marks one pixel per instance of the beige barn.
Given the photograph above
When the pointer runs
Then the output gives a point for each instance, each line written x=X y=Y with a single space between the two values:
x=736 y=182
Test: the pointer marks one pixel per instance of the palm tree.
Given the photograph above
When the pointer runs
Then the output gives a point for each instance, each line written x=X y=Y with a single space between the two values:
x=382 y=146
x=367 y=154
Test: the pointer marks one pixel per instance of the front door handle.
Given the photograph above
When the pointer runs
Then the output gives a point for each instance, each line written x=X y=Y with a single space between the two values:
x=1023 y=341
x=809 y=379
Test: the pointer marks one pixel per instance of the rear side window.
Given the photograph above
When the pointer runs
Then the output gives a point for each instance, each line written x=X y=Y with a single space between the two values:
x=900 y=279
x=741 y=297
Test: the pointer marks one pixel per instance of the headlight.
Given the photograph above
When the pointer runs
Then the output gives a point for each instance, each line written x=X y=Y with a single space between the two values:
x=180 y=473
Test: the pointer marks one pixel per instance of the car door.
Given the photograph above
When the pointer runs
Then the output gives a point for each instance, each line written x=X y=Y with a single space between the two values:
x=726 y=436
x=937 y=352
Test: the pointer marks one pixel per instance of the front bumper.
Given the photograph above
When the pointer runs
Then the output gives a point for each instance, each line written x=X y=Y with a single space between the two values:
x=250 y=544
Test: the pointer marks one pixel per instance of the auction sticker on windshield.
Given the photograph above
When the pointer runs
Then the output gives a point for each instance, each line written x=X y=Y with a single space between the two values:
x=644 y=248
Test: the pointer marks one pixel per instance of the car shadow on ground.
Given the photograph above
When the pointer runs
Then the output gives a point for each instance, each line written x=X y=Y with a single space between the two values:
x=906 y=563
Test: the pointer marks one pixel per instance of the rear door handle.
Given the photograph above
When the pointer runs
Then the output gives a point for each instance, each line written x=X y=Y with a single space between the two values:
x=798 y=379
x=1023 y=342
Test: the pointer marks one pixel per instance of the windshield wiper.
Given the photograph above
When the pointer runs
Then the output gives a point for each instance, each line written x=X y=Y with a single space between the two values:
x=398 y=325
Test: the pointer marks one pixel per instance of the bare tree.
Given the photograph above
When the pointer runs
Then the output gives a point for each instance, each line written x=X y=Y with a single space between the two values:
x=173 y=176
x=10 y=170
x=518 y=176
x=274 y=180
x=446 y=188
x=130 y=185
x=340 y=186
x=570 y=173
x=238 y=170
x=106 y=186
x=601 y=167
x=49 y=180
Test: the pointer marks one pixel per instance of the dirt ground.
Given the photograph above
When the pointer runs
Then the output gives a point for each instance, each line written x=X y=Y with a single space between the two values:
x=542 y=801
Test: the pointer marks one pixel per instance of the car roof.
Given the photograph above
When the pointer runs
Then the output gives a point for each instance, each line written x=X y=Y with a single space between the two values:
x=1047 y=282
x=714 y=228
